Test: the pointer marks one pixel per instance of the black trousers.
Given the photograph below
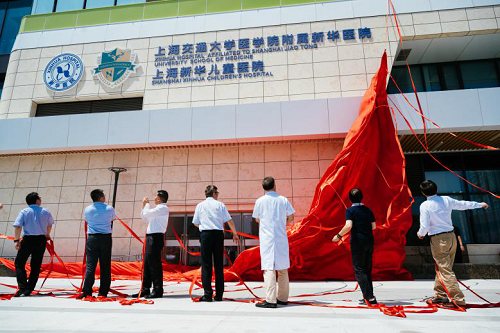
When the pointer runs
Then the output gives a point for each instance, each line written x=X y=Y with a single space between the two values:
x=98 y=249
x=212 y=246
x=34 y=246
x=153 y=269
x=362 y=263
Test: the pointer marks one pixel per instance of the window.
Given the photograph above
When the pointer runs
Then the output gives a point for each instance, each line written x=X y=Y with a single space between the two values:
x=15 y=11
x=127 y=2
x=431 y=78
x=447 y=76
x=99 y=3
x=479 y=74
x=62 y=6
x=450 y=76
x=111 y=105
x=477 y=226
x=42 y=6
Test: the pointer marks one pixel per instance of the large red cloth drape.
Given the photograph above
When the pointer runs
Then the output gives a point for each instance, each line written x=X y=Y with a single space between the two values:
x=371 y=160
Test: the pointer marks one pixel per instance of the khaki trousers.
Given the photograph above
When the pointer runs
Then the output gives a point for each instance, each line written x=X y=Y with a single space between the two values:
x=283 y=285
x=443 y=249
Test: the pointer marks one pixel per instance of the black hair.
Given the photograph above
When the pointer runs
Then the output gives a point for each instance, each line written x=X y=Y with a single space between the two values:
x=32 y=198
x=210 y=190
x=163 y=195
x=268 y=183
x=428 y=188
x=355 y=195
x=96 y=195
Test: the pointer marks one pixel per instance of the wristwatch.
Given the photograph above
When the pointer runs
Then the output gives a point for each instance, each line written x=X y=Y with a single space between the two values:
x=16 y=240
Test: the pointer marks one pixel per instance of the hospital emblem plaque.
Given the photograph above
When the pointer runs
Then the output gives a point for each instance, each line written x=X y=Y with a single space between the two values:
x=63 y=72
x=115 y=67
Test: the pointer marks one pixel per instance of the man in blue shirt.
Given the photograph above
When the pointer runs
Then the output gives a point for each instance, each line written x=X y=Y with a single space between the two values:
x=99 y=217
x=36 y=222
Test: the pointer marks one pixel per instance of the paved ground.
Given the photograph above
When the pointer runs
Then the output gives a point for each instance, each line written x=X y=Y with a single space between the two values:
x=177 y=313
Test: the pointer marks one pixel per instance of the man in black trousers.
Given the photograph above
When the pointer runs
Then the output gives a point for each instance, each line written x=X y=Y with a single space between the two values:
x=157 y=219
x=361 y=222
x=36 y=222
x=99 y=217
x=210 y=216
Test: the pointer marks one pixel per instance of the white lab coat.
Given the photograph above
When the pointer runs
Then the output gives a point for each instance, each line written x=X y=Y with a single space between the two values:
x=272 y=210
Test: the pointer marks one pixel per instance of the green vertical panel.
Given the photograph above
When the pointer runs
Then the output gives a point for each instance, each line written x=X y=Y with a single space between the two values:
x=254 y=4
x=192 y=7
x=126 y=13
x=33 y=23
x=93 y=17
x=217 y=6
x=296 y=2
x=61 y=20
x=154 y=10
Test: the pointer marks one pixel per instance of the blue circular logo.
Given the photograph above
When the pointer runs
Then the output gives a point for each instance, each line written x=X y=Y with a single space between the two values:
x=63 y=72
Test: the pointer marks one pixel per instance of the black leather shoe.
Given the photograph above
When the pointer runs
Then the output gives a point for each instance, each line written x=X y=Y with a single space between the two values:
x=281 y=303
x=205 y=298
x=218 y=299
x=155 y=294
x=266 y=305
x=436 y=300
x=22 y=293
x=83 y=295
x=144 y=293
x=102 y=295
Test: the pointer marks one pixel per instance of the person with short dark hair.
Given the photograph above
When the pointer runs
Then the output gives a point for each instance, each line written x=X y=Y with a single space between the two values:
x=274 y=212
x=360 y=221
x=435 y=220
x=157 y=219
x=210 y=216
x=36 y=223
x=99 y=217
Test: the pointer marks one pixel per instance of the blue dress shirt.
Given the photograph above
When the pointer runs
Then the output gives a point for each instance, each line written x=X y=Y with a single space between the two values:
x=34 y=220
x=99 y=217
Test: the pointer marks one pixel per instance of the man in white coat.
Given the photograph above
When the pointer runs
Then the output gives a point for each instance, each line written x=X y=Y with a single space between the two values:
x=273 y=212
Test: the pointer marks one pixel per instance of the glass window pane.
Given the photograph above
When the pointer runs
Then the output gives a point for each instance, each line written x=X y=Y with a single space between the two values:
x=487 y=179
x=42 y=6
x=250 y=226
x=479 y=74
x=65 y=5
x=446 y=181
x=126 y=2
x=99 y=3
x=402 y=78
x=460 y=219
x=177 y=223
x=431 y=78
x=450 y=75
x=3 y=9
x=486 y=221
x=15 y=12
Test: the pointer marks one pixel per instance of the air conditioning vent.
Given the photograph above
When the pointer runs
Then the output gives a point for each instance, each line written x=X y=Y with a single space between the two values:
x=403 y=55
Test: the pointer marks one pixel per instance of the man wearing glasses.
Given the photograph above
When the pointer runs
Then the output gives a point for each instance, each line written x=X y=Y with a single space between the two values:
x=209 y=217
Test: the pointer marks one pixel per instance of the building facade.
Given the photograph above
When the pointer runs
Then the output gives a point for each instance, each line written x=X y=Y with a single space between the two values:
x=185 y=94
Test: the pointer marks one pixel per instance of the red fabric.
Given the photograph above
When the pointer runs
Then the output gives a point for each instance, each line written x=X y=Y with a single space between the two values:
x=371 y=160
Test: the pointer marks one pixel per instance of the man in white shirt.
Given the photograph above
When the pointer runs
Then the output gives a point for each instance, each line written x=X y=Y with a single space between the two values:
x=209 y=217
x=435 y=220
x=273 y=212
x=157 y=219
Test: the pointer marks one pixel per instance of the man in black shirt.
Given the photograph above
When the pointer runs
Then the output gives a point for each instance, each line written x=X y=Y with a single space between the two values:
x=360 y=221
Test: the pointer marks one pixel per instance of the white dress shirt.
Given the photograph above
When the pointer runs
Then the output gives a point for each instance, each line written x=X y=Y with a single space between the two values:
x=435 y=214
x=272 y=210
x=157 y=218
x=211 y=215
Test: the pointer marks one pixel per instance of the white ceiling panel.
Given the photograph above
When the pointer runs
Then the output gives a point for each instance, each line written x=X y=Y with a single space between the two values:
x=445 y=49
x=417 y=47
x=482 y=47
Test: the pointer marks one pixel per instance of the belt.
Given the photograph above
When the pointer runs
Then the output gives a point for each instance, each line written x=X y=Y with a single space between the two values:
x=440 y=233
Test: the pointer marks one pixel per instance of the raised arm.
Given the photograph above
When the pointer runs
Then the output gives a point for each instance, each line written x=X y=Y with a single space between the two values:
x=148 y=213
x=464 y=205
